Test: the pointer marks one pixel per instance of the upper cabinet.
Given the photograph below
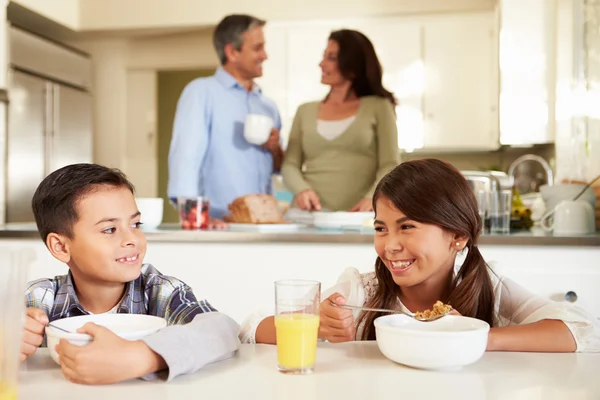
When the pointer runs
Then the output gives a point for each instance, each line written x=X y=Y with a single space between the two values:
x=460 y=98
x=527 y=71
x=442 y=70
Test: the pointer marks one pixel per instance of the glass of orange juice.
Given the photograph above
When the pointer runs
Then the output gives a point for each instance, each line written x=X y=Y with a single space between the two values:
x=13 y=272
x=297 y=325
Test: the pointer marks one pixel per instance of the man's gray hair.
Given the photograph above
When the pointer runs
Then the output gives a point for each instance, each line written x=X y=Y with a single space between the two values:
x=230 y=30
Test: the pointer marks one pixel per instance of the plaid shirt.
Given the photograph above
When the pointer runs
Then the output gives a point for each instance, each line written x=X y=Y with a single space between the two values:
x=151 y=293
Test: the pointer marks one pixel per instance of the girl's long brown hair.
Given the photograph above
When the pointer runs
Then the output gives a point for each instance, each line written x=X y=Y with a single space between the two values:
x=433 y=192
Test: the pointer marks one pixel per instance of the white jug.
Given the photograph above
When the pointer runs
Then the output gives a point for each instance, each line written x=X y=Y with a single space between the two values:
x=571 y=218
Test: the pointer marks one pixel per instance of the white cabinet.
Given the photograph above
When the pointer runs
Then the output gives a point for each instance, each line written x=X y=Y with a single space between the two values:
x=442 y=69
x=528 y=72
x=274 y=82
x=460 y=99
x=578 y=286
x=306 y=45
x=563 y=274
x=398 y=47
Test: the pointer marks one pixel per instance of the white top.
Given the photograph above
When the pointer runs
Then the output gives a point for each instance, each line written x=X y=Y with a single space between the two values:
x=349 y=371
x=514 y=305
x=333 y=129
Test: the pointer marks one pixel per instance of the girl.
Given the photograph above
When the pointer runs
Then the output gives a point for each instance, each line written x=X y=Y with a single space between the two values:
x=426 y=230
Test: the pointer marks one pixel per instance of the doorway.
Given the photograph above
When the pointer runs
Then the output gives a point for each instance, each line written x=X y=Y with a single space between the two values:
x=169 y=88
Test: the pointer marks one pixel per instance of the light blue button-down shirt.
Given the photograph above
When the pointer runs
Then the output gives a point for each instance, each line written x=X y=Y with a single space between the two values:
x=209 y=155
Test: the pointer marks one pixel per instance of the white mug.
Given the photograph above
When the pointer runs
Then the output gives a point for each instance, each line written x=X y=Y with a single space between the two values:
x=257 y=128
x=571 y=218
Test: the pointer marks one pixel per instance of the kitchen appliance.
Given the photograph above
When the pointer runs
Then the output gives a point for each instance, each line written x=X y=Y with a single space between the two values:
x=49 y=116
x=485 y=186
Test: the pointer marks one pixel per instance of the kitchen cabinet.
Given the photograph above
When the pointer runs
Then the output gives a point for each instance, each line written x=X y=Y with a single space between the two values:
x=400 y=51
x=274 y=82
x=528 y=71
x=549 y=271
x=460 y=98
x=442 y=69
x=576 y=284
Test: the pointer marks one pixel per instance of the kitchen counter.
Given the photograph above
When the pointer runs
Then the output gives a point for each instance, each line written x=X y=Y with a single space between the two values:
x=217 y=264
x=355 y=370
x=172 y=233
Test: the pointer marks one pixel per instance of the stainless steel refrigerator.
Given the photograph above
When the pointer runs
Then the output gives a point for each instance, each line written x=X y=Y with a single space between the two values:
x=49 y=117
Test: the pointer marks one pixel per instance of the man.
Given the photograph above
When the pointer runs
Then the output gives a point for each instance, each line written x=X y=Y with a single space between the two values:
x=209 y=155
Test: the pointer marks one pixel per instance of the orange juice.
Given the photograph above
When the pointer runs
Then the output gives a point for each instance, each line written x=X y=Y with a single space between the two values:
x=296 y=340
x=7 y=392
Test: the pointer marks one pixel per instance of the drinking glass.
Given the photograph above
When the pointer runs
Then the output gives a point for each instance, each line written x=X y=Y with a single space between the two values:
x=13 y=272
x=297 y=325
x=500 y=210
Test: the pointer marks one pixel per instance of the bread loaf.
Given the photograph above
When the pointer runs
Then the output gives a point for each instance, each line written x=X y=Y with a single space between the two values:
x=255 y=209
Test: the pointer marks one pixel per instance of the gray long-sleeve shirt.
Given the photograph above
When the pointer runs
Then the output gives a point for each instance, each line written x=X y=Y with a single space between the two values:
x=208 y=338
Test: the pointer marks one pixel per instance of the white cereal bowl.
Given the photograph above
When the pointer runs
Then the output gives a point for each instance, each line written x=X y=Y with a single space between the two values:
x=127 y=326
x=447 y=343
x=152 y=211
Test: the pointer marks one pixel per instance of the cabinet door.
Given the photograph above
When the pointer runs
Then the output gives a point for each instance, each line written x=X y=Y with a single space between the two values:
x=71 y=134
x=306 y=45
x=26 y=154
x=460 y=101
x=527 y=56
x=273 y=83
x=398 y=47
x=579 y=286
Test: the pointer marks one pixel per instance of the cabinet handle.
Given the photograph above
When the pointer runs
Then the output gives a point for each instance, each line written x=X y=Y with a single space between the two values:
x=571 y=297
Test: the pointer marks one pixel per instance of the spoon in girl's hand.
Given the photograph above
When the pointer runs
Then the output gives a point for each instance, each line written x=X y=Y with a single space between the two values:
x=423 y=319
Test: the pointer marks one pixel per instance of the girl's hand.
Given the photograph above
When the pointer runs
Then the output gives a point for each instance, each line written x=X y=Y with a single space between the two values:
x=337 y=324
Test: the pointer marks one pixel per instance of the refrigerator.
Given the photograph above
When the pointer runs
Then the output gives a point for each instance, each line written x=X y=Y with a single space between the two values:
x=49 y=118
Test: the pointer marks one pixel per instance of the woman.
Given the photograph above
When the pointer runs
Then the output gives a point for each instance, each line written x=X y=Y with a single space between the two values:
x=340 y=147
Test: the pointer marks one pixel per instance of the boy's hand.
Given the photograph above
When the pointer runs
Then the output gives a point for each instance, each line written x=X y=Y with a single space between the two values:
x=33 y=334
x=108 y=359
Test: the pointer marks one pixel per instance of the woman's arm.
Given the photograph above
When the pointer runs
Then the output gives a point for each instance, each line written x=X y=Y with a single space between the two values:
x=388 y=154
x=542 y=336
x=291 y=170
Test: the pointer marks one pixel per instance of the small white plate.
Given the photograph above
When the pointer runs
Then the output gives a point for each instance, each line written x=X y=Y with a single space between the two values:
x=264 y=227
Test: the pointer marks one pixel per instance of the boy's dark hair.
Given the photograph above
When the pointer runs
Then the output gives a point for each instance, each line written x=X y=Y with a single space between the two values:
x=55 y=200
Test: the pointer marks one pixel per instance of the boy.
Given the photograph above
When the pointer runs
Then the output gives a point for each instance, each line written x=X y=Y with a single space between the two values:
x=87 y=217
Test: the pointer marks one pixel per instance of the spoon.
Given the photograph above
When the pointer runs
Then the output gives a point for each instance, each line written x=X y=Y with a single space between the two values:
x=587 y=186
x=56 y=327
x=393 y=312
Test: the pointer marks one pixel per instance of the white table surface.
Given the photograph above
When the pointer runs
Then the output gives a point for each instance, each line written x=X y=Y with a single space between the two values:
x=354 y=370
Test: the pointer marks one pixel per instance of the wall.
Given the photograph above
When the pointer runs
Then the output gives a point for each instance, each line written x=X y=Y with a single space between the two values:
x=3 y=44
x=115 y=62
x=169 y=87
x=65 y=12
x=140 y=14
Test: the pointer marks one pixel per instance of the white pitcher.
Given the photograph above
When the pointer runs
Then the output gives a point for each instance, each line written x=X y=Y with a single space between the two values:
x=571 y=218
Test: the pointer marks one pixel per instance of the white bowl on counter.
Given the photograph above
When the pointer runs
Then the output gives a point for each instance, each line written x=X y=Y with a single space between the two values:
x=127 y=326
x=343 y=220
x=152 y=211
x=447 y=343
